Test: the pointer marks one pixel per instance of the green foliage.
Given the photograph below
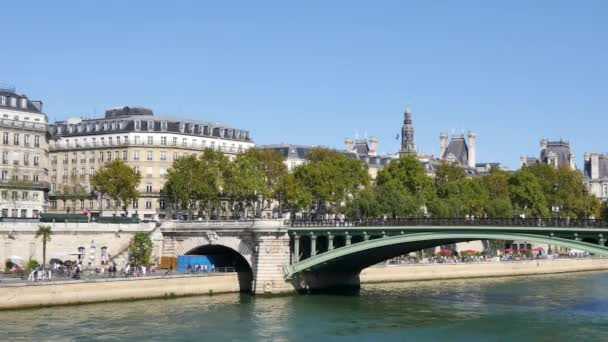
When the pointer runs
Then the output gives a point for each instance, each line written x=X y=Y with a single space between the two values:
x=44 y=233
x=117 y=181
x=140 y=249
x=331 y=179
x=30 y=265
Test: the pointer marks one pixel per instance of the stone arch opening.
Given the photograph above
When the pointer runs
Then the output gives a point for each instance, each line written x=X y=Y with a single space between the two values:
x=226 y=259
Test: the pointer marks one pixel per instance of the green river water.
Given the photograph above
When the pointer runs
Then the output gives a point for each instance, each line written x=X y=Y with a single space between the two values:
x=572 y=307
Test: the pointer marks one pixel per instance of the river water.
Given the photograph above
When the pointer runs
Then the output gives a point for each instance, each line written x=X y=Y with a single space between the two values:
x=571 y=307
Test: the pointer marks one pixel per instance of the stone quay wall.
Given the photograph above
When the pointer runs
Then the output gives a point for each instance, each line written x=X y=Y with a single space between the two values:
x=17 y=296
x=19 y=239
x=400 y=273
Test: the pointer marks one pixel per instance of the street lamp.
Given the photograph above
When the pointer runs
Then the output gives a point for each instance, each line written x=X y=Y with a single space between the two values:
x=585 y=193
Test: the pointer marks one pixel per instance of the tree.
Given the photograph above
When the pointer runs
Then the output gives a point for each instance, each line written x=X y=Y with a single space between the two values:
x=71 y=191
x=140 y=249
x=44 y=233
x=405 y=175
x=331 y=178
x=117 y=181
x=364 y=205
x=274 y=171
x=245 y=181
x=191 y=182
x=293 y=195
x=527 y=194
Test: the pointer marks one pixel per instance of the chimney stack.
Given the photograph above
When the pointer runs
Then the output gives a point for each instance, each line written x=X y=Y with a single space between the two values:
x=443 y=144
x=472 y=149
x=373 y=146
x=349 y=144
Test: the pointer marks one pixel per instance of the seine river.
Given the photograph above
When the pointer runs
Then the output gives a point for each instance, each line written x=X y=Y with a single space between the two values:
x=570 y=307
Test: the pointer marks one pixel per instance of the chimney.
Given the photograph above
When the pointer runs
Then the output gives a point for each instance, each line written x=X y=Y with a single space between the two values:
x=472 y=149
x=443 y=144
x=543 y=145
x=595 y=166
x=373 y=146
x=349 y=144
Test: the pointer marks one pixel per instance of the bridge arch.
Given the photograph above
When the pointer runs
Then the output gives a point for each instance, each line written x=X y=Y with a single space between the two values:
x=360 y=255
x=234 y=243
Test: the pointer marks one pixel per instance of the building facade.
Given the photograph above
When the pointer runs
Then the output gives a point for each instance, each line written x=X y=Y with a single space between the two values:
x=24 y=170
x=596 y=174
x=147 y=143
x=554 y=153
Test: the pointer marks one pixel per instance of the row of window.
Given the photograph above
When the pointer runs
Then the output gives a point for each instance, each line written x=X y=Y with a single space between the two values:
x=18 y=213
x=108 y=204
x=106 y=156
x=4 y=176
x=13 y=102
x=15 y=158
x=23 y=195
x=137 y=140
x=16 y=138
x=104 y=126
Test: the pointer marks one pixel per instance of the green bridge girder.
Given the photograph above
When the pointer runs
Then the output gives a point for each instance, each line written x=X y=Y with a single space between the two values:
x=382 y=243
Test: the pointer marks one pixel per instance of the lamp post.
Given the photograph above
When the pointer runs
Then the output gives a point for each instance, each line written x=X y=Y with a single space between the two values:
x=585 y=193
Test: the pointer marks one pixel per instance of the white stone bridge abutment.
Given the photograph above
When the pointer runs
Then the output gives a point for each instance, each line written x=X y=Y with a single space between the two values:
x=263 y=244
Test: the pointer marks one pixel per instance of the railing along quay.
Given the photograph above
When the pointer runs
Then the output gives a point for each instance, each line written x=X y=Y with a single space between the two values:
x=447 y=222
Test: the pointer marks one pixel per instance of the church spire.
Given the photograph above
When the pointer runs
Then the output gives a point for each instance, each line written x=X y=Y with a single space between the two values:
x=407 y=135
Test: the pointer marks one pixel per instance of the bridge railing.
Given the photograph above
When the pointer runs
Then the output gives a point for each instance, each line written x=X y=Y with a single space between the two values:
x=413 y=222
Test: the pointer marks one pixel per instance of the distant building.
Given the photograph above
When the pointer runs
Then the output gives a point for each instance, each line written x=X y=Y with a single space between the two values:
x=596 y=174
x=458 y=150
x=554 y=153
x=146 y=142
x=24 y=170
x=408 y=147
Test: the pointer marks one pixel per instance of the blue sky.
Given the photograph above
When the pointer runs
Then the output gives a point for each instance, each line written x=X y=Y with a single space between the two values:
x=315 y=72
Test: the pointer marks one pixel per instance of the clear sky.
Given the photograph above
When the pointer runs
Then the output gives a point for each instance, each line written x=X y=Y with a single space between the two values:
x=315 y=72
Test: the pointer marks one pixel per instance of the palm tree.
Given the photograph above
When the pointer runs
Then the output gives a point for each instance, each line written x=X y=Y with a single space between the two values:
x=44 y=232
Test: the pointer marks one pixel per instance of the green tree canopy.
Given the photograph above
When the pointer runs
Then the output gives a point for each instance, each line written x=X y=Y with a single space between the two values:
x=140 y=249
x=117 y=181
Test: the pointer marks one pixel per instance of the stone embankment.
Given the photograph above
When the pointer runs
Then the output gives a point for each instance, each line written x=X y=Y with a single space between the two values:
x=30 y=295
x=27 y=295
x=420 y=272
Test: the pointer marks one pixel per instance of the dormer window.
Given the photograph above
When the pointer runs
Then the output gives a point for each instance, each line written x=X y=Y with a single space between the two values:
x=59 y=129
x=192 y=128
x=2 y=100
x=105 y=126
x=97 y=127
x=121 y=125
x=88 y=127
x=137 y=125
x=80 y=128
x=163 y=125
x=24 y=103
x=70 y=129
x=13 y=101
x=221 y=132
x=181 y=126
x=150 y=125
x=113 y=125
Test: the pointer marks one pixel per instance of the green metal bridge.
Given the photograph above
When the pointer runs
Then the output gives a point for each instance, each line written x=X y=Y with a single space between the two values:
x=338 y=246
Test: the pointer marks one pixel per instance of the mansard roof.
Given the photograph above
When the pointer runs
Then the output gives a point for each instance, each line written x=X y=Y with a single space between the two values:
x=561 y=149
x=458 y=149
x=603 y=167
x=139 y=119
x=31 y=106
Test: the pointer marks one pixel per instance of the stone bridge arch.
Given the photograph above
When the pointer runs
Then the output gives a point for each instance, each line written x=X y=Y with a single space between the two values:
x=233 y=242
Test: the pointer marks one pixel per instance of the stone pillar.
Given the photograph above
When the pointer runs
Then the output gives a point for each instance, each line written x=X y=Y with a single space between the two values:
x=313 y=244
x=272 y=254
x=296 y=247
x=365 y=236
x=472 y=148
x=601 y=241
x=330 y=241
x=347 y=238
